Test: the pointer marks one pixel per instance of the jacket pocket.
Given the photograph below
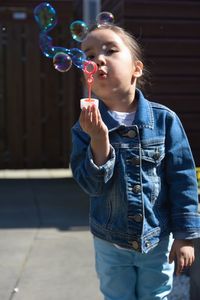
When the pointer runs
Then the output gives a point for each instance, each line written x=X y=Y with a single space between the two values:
x=153 y=155
x=152 y=168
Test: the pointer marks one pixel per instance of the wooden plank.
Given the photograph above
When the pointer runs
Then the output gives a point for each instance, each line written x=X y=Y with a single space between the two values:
x=15 y=98
x=175 y=85
x=2 y=97
x=166 y=28
x=193 y=138
x=70 y=91
x=191 y=121
x=33 y=105
x=161 y=9
x=172 y=47
x=179 y=103
x=181 y=66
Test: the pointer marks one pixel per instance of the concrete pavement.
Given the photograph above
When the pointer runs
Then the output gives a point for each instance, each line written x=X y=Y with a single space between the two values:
x=46 y=249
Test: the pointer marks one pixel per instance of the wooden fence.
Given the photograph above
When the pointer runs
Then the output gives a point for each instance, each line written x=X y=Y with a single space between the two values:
x=38 y=105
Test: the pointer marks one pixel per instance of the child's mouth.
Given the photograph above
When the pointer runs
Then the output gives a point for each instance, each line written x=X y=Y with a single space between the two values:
x=102 y=74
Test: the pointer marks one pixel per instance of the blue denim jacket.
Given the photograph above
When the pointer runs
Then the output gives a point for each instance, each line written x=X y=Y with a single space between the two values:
x=148 y=187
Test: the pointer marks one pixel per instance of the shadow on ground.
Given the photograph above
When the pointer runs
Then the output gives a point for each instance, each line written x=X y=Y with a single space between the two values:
x=30 y=203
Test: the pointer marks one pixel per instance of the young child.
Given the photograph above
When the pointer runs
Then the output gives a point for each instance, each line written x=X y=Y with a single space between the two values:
x=133 y=158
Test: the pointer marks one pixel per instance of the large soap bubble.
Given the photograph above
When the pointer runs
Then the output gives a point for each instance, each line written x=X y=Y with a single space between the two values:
x=46 y=45
x=79 y=30
x=45 y=16
x=104 y=18
x=62 y=62
x=78 y=57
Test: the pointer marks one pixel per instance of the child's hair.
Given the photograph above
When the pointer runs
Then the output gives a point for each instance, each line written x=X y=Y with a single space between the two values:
x=131 y=42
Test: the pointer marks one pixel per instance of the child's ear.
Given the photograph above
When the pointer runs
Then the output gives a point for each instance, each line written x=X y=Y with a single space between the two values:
x=138 y=67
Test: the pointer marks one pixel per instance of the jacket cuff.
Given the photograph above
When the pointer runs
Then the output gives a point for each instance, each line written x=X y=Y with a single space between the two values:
x=104 y=171
x=191 y=227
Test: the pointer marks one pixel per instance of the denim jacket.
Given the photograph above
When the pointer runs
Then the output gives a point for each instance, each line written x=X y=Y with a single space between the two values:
x=148 y=187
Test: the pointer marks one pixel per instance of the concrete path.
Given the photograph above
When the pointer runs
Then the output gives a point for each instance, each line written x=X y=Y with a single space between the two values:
x=46 y=249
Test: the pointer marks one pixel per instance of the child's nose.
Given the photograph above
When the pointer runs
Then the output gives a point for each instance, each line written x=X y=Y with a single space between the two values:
x=100 y=61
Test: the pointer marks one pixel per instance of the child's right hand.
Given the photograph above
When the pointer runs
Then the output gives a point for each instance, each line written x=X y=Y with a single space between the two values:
x=91 y=122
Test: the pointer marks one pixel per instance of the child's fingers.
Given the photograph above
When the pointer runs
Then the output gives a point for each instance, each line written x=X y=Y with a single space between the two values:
x=95 y=117
x=180 y=265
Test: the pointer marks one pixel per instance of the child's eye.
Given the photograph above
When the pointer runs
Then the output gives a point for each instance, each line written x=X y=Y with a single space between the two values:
x=111 y=51
x=90 y=57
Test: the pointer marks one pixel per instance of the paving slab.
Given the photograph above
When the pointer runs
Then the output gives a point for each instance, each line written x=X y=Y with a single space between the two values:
x=59 y=267
x=46 y=250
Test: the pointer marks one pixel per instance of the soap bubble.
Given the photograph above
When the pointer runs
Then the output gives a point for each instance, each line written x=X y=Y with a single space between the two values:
x=78 y=57
x=46 y=45
x=104 y=18
x=79 y=30
x=45 y=16
x=47 y=48
x=62 y=62
x=61 y=49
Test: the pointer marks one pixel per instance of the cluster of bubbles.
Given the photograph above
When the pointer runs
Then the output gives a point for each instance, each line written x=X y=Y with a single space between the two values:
x=63 y=58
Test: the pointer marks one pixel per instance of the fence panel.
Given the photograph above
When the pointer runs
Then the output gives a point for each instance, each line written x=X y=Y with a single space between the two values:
x=37 y=103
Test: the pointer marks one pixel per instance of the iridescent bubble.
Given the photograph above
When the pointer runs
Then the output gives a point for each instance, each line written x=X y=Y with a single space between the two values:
x=104 y=18
x=78 y=57
x=79 y=30
x=61 y=49
x=46 y=45
x=45 y=16
x=47 y=48
x=62 y=62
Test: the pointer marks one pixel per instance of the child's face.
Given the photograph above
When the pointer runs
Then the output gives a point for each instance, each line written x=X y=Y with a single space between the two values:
x=116 y=67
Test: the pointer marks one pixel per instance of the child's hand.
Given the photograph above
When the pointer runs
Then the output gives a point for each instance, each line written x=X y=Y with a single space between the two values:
x=91 y=122
x=182 y=252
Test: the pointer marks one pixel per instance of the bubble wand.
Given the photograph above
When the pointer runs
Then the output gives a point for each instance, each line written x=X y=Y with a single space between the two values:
x=89 y=68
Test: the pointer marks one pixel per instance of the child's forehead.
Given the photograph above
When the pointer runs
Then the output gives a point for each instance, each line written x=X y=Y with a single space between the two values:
x=102 y=37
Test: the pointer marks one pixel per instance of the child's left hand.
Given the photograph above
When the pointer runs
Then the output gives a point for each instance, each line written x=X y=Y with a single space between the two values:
x=182 y=252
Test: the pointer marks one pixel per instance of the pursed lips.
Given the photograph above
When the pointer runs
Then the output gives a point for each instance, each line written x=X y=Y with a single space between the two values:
x=102 y=73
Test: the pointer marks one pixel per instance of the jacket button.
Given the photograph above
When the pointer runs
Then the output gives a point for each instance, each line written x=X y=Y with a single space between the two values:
x=131 y=133
x=137 y=218
x=135 y=245
x=147 y=244
x=137 y=189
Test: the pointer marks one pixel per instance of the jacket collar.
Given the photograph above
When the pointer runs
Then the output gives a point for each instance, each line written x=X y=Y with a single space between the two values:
x=143 y=117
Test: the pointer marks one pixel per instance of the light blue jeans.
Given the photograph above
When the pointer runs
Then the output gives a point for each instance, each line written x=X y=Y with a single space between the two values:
x=130 y=275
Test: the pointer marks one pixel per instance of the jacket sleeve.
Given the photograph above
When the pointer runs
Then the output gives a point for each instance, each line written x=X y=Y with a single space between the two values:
x=90 y=177
x=182 y=182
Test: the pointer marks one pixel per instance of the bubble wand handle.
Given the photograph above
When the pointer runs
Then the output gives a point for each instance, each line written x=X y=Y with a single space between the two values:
x=86 y=69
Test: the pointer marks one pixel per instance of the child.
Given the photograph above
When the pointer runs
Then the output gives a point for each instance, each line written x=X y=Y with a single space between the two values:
x=133 y=158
